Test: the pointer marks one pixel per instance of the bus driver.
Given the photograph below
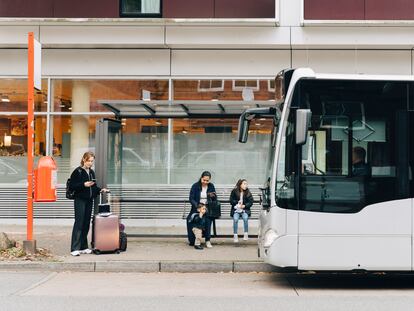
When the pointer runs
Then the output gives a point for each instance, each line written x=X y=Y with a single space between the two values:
x=359 y=166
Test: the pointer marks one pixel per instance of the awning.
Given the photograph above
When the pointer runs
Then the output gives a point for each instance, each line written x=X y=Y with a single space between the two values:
x=181 y=109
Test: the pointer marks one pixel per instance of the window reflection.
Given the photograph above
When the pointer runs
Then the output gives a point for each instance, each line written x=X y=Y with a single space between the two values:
x=145 y=151
x=72 y=137
x=83 y=95
x=211 y=144
x=13 y=95
x=13 y=146
x=223 y=90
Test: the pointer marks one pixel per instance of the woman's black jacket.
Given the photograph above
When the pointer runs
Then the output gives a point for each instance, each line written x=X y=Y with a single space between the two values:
x=77 y=180
x=247 y=201
x=195 y=194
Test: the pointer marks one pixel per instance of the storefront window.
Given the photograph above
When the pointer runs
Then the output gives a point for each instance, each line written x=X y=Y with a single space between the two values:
x=223 y=90
x=13 y=95
x=72 y=137
x=13 y=146
x=148 y=157
x=83 y=95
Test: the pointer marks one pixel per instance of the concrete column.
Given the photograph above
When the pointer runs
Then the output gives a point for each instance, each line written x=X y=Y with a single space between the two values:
x=40 y=135
x=79 y=141
x=290 y=12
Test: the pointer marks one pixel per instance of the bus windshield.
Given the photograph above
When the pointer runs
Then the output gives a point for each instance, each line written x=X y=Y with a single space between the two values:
x=357 y=149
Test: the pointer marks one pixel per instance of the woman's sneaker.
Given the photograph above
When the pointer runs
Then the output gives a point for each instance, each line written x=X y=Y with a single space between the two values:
x=235 y=238
x=75 y=253
x=208 y=244
x=246 y=236
x=86 y=251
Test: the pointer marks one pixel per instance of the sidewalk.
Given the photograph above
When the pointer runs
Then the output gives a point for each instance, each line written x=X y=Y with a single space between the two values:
x=150 y=254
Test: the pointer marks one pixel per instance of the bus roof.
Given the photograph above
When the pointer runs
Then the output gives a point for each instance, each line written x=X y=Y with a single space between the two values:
x=305 y=73
x=364 y=77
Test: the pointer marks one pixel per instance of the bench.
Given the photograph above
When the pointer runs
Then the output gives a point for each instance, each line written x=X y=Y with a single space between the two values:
x=169 y=200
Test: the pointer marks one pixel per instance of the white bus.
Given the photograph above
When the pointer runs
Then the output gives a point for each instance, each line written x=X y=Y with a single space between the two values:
x=339 y=191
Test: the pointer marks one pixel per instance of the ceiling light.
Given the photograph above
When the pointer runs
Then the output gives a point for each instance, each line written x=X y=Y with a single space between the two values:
x=214 y=100
x=262 y=119
x=7 y=140
x=158 y=122
x=5 y=99
x=257 y=124
x=184 y=131
x=70 y=108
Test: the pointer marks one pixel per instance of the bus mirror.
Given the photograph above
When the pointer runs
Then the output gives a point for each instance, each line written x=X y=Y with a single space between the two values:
x=243 y=130
x=250 y=114
x=303 y=118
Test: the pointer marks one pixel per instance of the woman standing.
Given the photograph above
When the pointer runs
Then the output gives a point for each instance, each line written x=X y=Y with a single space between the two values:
x=83 y=182
x=241 y=200
x=200 y=192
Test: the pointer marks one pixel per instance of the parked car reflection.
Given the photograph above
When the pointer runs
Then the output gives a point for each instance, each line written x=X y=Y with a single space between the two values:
x=226 y=166
x=13 y=170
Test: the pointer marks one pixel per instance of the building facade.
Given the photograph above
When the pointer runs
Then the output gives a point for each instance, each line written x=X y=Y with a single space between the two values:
x=178 y=50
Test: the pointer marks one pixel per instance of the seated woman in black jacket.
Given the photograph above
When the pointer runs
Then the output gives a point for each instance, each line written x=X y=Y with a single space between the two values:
x=83 y=182
x=241 y=200
x=200 y=192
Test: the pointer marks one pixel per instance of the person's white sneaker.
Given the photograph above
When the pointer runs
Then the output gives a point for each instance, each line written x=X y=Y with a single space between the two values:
x=75 y=253
x=235 y=238
x=86 y=251
x=246 y=236
x=208 y=244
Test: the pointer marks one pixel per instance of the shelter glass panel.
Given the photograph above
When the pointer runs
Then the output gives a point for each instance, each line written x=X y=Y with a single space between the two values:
x=211 y=144
x=145 y=151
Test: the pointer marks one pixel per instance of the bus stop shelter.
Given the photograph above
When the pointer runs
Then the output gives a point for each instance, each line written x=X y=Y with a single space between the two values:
x=109 y=131
x=109 y=146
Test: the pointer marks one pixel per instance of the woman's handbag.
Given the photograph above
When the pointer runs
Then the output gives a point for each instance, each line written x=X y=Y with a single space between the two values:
x=213 y=207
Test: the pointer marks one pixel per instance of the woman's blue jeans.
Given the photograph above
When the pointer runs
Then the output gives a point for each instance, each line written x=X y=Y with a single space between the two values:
x=236 y=218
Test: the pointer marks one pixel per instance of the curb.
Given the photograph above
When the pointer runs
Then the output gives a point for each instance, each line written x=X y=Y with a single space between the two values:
x=196 y=266
x=140 y=266
x=48 y=266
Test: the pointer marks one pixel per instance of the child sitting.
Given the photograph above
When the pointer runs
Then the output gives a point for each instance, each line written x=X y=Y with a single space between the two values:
x=199 y=224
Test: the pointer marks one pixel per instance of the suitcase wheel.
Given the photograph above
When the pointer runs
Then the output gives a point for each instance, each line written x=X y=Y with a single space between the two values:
x=118 y=251
x=96 y=251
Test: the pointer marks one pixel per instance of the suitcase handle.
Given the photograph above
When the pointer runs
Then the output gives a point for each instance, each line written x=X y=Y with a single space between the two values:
x=108 y=197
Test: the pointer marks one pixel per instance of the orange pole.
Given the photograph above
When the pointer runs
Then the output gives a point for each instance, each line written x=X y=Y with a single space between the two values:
x=30 y=136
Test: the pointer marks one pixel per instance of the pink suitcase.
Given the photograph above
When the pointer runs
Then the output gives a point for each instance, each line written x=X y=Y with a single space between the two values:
x=105 y=231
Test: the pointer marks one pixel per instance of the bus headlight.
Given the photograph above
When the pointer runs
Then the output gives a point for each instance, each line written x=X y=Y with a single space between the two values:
x=269 y=237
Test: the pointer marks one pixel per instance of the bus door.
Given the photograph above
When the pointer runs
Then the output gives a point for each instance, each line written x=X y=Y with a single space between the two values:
x=355 y=214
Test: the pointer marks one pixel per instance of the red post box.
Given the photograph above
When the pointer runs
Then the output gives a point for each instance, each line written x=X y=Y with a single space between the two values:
x=45 y=180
